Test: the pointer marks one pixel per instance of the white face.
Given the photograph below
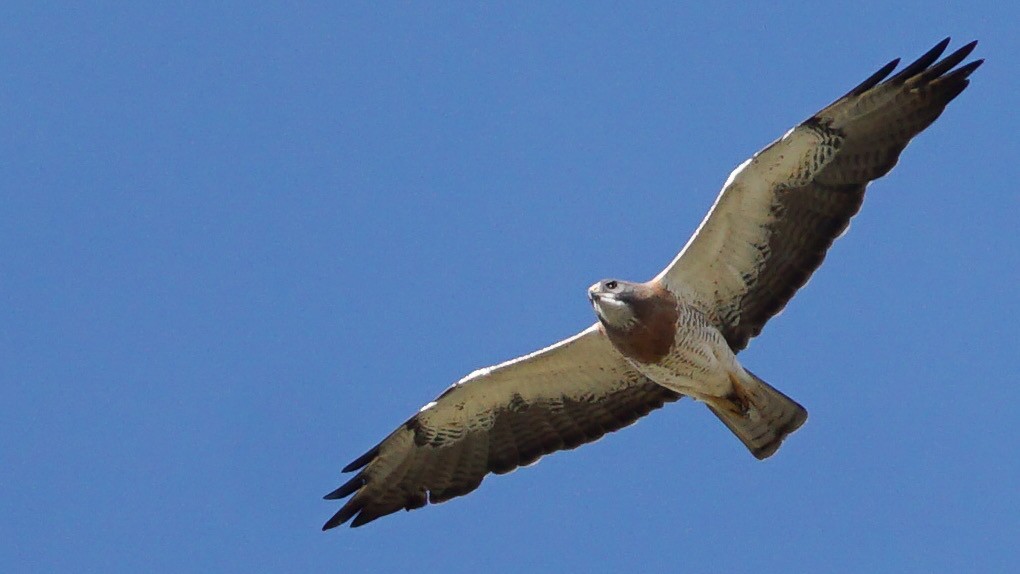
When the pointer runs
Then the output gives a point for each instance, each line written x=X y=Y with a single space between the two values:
x=613 y=311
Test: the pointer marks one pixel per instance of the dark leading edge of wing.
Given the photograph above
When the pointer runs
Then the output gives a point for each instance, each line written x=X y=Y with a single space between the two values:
x=877 y=120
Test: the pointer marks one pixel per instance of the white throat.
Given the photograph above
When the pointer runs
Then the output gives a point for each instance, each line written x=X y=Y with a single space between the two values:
x=615 y=312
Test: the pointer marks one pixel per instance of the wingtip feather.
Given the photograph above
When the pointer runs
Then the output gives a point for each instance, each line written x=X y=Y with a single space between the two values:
x=345 y=513
x=347 y=489
x=362 y=519
x=922 y=63
x=362 y=460
x=968 y=69
x=335 y=521
x=873 y=79
x=947 y=63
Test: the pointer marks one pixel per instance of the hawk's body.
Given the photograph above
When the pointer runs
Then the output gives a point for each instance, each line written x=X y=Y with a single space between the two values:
x=679 y=333
x=671 y=339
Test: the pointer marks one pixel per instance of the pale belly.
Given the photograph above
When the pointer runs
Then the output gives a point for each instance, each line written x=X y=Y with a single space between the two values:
x=699 y=364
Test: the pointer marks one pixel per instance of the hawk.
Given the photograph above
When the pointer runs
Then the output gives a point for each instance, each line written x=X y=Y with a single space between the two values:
x=679 y=333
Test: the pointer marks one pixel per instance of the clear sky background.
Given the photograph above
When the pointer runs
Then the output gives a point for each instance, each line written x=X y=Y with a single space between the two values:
x=239 y=245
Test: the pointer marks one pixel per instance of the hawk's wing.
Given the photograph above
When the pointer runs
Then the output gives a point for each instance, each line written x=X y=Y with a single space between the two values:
x=780 y=211
x=497 y=419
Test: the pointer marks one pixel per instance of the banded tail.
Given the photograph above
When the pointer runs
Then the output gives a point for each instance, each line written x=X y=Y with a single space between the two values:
x=759 y=415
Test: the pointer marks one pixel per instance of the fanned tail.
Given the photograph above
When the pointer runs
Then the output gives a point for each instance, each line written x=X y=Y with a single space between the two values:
x=759 y=415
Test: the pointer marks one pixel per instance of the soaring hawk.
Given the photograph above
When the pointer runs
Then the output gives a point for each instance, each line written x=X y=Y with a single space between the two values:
x=679 y=333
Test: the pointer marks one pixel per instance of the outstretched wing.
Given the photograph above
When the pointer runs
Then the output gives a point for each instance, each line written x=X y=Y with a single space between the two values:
x=497 y=419
x=779 y=212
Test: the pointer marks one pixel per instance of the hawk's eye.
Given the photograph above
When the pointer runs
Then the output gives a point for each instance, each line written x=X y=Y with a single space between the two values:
x=611 y=285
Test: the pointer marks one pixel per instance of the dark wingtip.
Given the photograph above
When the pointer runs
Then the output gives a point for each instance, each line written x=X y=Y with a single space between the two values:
x=342 y=515
x=362 y=460
x=332 y=523
x=968 y=47
x=955 y=82
x=937 y=50
x=921 y=63
x=873 y=79
x=948 y=62
x=347 y=489
x=964 y=71
x=923 y=66
x=362 y=519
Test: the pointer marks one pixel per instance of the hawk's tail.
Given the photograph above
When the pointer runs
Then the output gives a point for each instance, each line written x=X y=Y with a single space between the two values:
x=758 y=414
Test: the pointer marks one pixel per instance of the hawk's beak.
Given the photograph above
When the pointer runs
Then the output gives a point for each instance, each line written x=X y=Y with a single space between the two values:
x=593 y=293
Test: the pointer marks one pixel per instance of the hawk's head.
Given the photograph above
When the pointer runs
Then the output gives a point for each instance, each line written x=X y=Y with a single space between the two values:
x=640 y=318
x=616 y=303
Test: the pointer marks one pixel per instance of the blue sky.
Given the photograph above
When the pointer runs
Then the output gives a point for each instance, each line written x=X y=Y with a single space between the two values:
x=240 y=244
